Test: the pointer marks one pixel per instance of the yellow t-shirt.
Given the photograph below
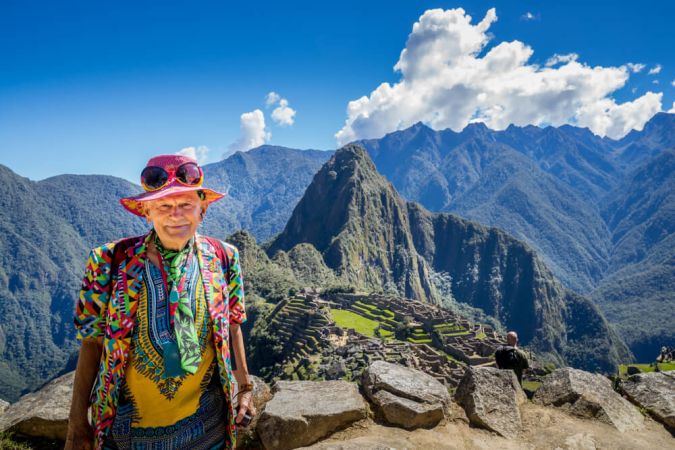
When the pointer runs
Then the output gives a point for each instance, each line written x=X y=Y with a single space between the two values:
x=175 y=411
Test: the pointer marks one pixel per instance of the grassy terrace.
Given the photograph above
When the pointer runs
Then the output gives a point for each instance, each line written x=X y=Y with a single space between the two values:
x=448 y=327
x=419 y=336
x=452 y=329
x=349 y=319
x=373 y=313
x=375 y=310
x=645 y=368
x=449 y=357
x=419 y=341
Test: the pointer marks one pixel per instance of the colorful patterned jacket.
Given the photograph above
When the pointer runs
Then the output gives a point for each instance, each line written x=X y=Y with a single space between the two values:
x=113 y=317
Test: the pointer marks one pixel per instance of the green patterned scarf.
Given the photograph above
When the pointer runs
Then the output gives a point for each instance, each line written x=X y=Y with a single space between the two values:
x=176 y=263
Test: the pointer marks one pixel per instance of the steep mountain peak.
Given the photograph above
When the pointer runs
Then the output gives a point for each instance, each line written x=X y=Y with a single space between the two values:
x=419 y=126
x=657 y=135
x=353 y=160
x=661 y=124
x=477 y=130
x=357 y=221
x=343 y=179
x=661 y=119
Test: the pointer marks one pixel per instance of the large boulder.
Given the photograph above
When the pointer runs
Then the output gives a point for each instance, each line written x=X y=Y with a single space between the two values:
x=41 y=414
x=655 y=392
x=491 y=399
x=590 y=396
x=3 y=405
x=302 y=412
x=405 y=397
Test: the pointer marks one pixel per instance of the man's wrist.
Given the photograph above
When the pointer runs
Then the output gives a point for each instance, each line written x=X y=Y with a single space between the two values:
x=245 y=387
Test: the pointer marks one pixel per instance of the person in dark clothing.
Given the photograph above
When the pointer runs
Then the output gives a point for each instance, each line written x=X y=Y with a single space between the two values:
x=510 y=357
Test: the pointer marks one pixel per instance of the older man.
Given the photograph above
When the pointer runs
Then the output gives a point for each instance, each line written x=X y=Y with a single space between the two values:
x=155 y=316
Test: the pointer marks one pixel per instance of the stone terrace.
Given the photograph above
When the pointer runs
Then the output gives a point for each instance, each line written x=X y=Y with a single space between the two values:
x=441 y=343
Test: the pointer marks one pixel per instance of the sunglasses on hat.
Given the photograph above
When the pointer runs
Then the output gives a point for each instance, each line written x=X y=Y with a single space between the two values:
x=154 y=178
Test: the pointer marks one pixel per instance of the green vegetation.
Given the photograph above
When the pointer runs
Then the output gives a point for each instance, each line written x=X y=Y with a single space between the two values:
x=531 y=386
x=420 y=341
x=7 y=442
x=646 y=368
x=452 y=358
x=448 y=327
x=349 y=319
x=338 y=290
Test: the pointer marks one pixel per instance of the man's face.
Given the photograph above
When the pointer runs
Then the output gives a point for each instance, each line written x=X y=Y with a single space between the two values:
x=175 y=218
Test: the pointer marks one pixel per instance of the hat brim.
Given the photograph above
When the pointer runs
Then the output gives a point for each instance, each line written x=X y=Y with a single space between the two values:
x=135 y=204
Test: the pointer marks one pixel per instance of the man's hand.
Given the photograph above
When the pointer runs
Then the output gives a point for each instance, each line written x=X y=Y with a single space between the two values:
x=245 y=405
x=80 y=436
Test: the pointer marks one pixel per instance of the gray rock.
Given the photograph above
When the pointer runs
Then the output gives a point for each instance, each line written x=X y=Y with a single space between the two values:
x=405 y=382
x=406 y=397
x=302 y=412
x=491 y=399
x=336 y=370
x=654 y=392
x=590 y=396
x=408 y=413
x=41 y=414
x=3 y=405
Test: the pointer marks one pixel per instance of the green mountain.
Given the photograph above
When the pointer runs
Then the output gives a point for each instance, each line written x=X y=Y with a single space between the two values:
x=638 y=292
x=48 y=228
x=372 y=239
x=518 y=180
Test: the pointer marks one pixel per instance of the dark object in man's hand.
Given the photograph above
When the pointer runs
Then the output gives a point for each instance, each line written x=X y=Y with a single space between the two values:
x=246 y=421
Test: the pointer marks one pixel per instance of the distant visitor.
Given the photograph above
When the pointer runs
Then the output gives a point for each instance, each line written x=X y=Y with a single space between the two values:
x=510 y=357
x=156 y=315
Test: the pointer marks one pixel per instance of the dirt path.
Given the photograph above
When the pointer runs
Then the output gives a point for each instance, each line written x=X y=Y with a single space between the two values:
x=543 y=428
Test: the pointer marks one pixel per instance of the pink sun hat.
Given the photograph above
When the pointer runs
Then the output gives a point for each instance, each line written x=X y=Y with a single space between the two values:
x=166 y=175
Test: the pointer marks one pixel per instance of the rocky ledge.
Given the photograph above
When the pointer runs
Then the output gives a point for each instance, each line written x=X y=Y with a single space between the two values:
x=399 y=407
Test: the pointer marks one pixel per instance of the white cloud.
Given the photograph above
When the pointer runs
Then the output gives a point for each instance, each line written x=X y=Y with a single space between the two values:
x=672 y=83
x=283 y=114
x=271 y=98
x=199 y=153
x=607 y=118
x=557 y=59
x=672 y=110
x=253 y=132
x=635 y=67
x=448 y=80
x=528 y=16
x=655 y=70
x=655 y=81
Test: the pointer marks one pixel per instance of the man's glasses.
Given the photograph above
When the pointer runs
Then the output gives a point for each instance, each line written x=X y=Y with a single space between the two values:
x=154 y=178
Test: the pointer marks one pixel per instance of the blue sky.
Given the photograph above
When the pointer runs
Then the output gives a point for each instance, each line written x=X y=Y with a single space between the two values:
x=99 y=87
